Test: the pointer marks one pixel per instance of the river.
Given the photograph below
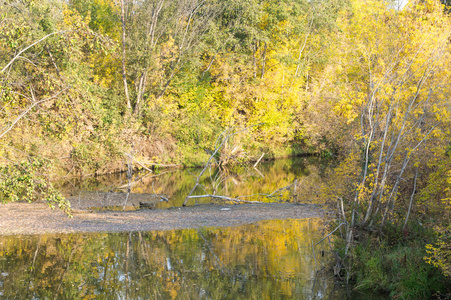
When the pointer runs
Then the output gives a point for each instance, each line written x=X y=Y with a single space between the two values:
x=273 y=259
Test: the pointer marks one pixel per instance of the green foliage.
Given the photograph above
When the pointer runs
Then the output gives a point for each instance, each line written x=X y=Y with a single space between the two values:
x=27 y=181
x=193 y=73
x=352 y=77
x=439 y=253
x=395 y=265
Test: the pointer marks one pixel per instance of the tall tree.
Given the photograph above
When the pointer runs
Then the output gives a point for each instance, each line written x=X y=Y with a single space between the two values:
x=124 y=70
x=392 y=91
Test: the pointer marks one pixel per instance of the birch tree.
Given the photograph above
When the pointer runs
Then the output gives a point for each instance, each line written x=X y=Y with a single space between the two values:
x=393 y=89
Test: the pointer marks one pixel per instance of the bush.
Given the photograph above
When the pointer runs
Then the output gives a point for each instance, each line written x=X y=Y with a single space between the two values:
x=27 y=181
x=395 y=264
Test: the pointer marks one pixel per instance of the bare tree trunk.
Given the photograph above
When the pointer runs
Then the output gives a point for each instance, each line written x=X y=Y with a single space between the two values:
x=141 y=89
x=124 y=72
x=208 y=67
x=264 y=60
x=151 y=41
x=301 y=48
x=254 y=61
x=411 y=198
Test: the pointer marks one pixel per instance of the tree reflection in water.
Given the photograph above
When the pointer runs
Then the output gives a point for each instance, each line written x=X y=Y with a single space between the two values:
x=269 y=259
x=237 y=181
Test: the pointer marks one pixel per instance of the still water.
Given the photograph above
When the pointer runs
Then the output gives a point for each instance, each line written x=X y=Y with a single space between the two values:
x=251 y=184
x=266 y=260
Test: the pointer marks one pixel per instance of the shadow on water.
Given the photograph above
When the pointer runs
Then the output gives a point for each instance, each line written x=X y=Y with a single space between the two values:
x=252 y=184
x=265 y=260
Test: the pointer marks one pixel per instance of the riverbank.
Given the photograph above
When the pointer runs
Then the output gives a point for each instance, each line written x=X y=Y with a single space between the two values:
x=38 y=218
x=396 y=263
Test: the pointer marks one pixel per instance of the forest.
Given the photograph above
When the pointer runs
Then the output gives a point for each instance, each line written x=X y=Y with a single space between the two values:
x=84 y=84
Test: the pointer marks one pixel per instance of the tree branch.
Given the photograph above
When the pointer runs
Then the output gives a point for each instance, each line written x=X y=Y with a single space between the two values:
x=26 y=48
x=8 y=128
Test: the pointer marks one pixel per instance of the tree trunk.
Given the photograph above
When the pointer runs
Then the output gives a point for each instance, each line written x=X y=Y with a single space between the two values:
x=264 y=61
x=141 y=90
x=124 y=72
x=254 y=61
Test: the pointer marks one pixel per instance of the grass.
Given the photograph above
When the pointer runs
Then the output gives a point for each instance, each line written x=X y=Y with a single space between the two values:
x=394 y=263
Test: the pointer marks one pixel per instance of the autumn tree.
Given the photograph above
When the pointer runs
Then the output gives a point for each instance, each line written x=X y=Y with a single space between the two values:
x=392 y=90
x=42 y=46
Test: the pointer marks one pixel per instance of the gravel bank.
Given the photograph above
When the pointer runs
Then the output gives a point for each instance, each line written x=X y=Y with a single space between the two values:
x=38 y=218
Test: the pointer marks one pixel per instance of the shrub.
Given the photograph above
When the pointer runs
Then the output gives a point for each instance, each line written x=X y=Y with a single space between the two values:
x=27 y=181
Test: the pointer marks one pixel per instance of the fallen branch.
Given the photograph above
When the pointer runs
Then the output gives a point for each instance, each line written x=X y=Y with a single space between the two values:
x=244 y=196
x=281 y=189
x=157 y=195
x=212 y=156
x=259 y=173
x=143 y=166
x=259 y=160
x=224 y=198
x=330 y=233
x=164 y=166
x=139 y=179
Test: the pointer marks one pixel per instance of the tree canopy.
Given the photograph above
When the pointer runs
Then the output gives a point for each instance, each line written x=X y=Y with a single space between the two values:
x=84 y=82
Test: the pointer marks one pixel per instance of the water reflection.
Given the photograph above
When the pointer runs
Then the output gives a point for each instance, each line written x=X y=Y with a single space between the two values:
x=239 y=181
x=269 y=259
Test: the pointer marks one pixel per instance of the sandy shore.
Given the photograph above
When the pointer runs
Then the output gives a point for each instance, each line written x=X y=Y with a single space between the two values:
x=38 y=218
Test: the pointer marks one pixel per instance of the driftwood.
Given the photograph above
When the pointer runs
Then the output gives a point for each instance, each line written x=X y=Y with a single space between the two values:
x=218 y=147
x=143 y=166
x=259 y=160
x=280 y=189
x=164 y=165
x=148 y=205
x=239 y=199
x=225 y=198
x=330 y=233
x=139 y=179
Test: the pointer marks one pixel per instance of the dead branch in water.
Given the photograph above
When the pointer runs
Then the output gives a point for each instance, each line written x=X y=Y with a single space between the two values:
x=330 y=233
x=259 y=160
x=225 y=198
x=140 y=179
x=218 y=147
x=129 y=177
x=142 y=165
x=164 y=165
x=281 y=189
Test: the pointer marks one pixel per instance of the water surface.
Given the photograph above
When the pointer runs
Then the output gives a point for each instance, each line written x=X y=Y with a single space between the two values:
x=251 y=184
x=266 y=260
